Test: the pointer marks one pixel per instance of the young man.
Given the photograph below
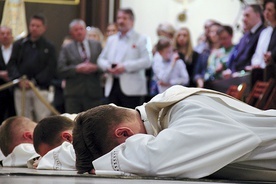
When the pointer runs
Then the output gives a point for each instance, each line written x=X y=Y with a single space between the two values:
x=183 y=133
x=16 y=141
x=52 y=141
x=35 y=57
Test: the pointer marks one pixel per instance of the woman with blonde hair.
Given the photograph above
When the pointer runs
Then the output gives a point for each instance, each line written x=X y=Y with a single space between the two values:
x=95 y=33
x=184 y=47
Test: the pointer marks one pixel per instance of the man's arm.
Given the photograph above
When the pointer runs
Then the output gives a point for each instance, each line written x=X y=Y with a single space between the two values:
x=12 y=66
x=66 y=65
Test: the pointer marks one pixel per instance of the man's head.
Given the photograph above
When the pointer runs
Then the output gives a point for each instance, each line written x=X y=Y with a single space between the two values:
x=225 y=36
x=125 y=20
x=100 y=129
x=14 y=131
x=6 y=37
x=51 y=132
x=77 y=29
x=252 y=15
x=37 y=26
x=270 y=12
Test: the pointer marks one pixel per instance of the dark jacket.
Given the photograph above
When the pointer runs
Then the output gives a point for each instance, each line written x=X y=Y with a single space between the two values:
x=37 y=60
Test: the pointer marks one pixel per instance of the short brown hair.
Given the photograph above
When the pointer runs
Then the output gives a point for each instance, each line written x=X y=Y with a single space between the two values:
x=9 y=130
x=48 y=129
x=163 y=43
x=127 y=11
x=91 y=134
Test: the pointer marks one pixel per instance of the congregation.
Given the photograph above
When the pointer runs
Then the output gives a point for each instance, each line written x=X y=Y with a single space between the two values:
x=120 y=67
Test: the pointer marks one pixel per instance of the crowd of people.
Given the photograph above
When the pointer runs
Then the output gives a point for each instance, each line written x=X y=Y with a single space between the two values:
x=119 y=69
x=93 y=68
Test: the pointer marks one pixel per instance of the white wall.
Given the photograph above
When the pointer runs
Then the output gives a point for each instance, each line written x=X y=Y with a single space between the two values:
x=149 y=13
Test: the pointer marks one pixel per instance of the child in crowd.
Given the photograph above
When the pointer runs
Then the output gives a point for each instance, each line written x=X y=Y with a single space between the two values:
x=171 y=70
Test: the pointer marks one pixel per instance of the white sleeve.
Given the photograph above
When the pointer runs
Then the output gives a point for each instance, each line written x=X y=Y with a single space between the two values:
x=182 y=74
x=261 y=49
x=20 y=155
x=59 y=158
x=198 y=142
x=103 y=61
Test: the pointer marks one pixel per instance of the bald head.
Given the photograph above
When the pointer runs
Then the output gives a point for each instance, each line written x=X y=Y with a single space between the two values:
x=14 y=131
x=6 y=37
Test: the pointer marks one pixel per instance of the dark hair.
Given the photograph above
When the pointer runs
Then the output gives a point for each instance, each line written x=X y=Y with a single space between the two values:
x=270 y=1
x=226 y=28
x=48 y=129
x=163 y=43
x=40 y=17
x=257 y=9
x=91 y=134
x=128 y=11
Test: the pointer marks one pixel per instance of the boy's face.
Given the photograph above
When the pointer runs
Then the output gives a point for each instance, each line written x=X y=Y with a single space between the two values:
x=166 y=53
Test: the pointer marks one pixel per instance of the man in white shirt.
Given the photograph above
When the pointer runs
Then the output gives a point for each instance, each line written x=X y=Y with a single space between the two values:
x=16 y=141
x=182 y=133
x=125 y=58
x=6 y=96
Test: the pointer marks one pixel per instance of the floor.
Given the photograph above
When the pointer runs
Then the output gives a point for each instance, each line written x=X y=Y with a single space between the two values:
x=32 y=176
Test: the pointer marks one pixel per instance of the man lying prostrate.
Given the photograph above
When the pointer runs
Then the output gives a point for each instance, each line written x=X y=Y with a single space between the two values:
x=52 y=141
x=181 y=133
x=16 y=141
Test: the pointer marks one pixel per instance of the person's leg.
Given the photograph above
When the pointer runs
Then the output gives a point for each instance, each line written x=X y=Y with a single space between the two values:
x=114 y=96
x=10 y=104
x=3 y=109
x=89 y=103
x=73 y=105
x=131 y=101
x=28 y=103
x=40 y=109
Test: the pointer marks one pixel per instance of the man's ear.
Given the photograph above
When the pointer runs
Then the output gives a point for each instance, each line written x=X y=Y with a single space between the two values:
x=123 y=132
x=28 y=135
x=66 y=136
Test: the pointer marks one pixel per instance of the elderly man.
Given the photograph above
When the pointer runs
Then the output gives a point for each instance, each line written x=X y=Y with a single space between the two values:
x=77 y=64
x=125 y=58
x=6 y=96
x=16 y=141
x=182 y=133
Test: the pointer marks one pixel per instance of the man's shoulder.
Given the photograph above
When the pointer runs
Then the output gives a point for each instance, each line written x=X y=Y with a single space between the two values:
x=138 y=35
x=94 y=42
x=47 y=41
